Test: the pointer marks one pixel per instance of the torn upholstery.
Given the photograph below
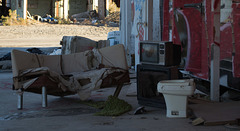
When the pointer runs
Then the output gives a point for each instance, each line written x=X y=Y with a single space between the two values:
x=70 y=74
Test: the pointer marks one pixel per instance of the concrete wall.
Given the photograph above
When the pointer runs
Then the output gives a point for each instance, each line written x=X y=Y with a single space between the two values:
x=13 y=4
x=58 y=8
x=20 y=6
x=90 y=5
x=77 y=6
x=101 y=9
x=125 y=28
x=39 y=7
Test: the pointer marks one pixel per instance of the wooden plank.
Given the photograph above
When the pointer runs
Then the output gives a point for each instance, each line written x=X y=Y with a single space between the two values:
x=118 y=90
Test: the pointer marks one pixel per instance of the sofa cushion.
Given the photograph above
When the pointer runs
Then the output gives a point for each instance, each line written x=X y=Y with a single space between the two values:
x=76 y=62
x=53 y=62
x=114 y=56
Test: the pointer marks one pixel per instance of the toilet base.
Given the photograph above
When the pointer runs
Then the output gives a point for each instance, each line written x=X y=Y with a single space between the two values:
x=176 y=105
x=176 y=114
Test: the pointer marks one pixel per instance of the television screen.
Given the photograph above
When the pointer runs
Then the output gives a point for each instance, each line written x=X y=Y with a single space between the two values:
x=149 y=52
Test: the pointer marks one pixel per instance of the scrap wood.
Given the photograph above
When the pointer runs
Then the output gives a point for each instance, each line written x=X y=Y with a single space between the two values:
x=197 y=121
x=217 y=113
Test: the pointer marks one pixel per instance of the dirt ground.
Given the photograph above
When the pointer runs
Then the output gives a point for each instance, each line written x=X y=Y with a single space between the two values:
x=48 y=35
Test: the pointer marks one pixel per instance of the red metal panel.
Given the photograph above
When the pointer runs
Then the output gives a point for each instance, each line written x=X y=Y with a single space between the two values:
x=236 y=24
x=209 y=22
x=204 y=53
x=197 y=58
x=166 y=16
x=180 y=3
x=175 y=35
x=226 y=41
x=194 y=47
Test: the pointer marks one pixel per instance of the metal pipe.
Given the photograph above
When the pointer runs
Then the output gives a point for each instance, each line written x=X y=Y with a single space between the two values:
x=44 y=96
x=20 y=100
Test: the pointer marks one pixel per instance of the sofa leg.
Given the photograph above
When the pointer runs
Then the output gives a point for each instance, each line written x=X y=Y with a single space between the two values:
x=44 y=96
x=20 y=100
x=118 y=89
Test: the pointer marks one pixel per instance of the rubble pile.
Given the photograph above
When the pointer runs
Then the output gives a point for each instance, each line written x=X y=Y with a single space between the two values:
x=113 y=17
x=114 y=14
x=92 y=18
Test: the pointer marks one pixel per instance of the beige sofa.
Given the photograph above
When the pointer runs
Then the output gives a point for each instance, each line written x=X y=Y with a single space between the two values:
x=62 y=75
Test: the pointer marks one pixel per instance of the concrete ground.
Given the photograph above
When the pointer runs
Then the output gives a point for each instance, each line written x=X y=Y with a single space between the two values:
x=68 y=113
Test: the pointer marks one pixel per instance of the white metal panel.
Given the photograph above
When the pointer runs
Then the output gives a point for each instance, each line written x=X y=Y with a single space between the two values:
x=156 y=21
x=125 y=28
x=226 y=11
x=139 y=26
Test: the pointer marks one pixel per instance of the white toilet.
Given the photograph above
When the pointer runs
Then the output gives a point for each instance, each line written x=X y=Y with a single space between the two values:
x=175 y=93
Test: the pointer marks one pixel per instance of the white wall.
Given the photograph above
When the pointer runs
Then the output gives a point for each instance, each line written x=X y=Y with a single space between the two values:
x=125 y=28
x=65 y=9
x=139 y=25
x=156 y=21
x=135 y=25
x=226 y=11
x=95 y=4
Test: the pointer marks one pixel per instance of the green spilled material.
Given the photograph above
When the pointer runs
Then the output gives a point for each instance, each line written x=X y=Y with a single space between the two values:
x=114 y=107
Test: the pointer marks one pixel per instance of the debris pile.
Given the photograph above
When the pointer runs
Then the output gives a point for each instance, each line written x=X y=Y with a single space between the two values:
x=85 y=15
x=35 y=51
x=113 y=17
x=92 y=18
x=6 y=57
x=114 y=14
x=13 y=19
x=47 y=18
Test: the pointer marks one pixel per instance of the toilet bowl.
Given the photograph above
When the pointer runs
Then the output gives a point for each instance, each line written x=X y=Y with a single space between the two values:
x=175 y=93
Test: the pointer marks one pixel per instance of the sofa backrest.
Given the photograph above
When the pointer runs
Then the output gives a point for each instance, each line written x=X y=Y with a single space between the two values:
x=22 y=61
x=113 y=56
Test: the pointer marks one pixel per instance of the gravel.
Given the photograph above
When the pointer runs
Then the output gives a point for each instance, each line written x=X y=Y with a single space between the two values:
x=48 y=35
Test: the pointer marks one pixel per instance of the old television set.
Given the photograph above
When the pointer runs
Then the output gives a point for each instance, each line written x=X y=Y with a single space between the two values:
x=163 y=53
x=148 y=77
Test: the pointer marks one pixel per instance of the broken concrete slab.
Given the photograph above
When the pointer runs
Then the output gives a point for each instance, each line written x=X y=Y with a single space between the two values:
x=217 y=113
x=68 y=113
x=76 y=44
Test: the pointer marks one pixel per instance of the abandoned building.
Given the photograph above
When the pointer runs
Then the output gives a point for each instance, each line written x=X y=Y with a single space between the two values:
x=56 y=8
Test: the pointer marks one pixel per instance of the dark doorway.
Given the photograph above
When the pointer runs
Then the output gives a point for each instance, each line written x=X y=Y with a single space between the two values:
x=117 y=2
x=3 y=8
